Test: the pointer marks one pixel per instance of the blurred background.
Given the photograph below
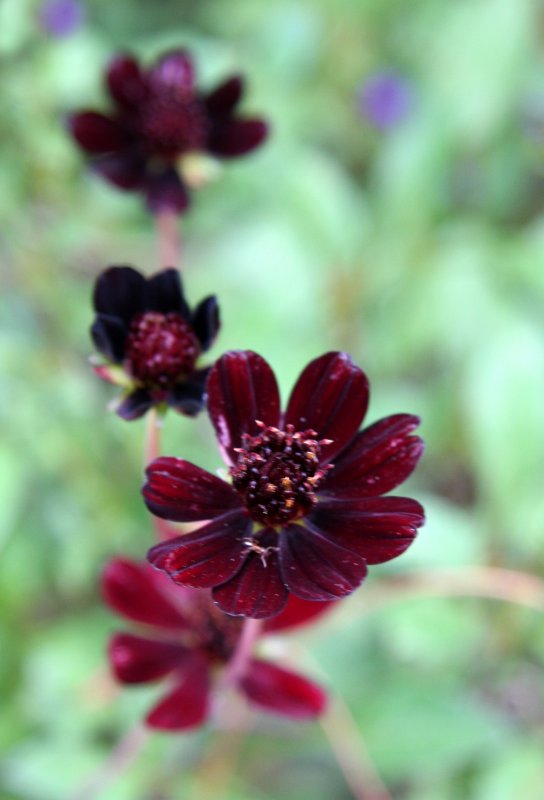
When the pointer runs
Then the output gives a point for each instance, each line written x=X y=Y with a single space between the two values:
x=397 y=212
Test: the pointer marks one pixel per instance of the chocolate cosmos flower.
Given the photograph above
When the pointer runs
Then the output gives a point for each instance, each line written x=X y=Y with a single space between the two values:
x=304 y=514
x=158 y=119
x=152 y=340
x=187 y=639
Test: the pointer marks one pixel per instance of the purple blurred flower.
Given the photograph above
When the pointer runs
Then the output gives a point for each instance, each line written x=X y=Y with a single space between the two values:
x=385 y=99
x=61 y=18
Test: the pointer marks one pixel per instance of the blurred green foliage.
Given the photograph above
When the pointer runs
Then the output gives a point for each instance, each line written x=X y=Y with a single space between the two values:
x=420 y=250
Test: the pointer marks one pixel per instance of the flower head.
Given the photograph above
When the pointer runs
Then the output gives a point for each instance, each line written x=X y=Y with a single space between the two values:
x=152 y=340
x=158 y=120
x=185 y=638
x=304 y=513
x=386 y=99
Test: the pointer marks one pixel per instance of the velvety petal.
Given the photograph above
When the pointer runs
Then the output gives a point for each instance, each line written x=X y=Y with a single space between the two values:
x=241 y=389
x=222 y=100
x=132 y=590
x=330 y=397
x=297 y=612
x=182 y=492
x=125 y=82
x=109 y=334
x=377 y=460
x=315 y=568
x=135 y=404
x=188 y=397
x=96 y=133
x=257 y=590
x=138 y=660
x=165 y=191
x=186 y=706
x=126 y=169
x=173 y=71
x=282 y=691
x=208 y=556
x=205 y=321
x=119 y=292
x=377 y=528
x=236 y=137
x=164 y=293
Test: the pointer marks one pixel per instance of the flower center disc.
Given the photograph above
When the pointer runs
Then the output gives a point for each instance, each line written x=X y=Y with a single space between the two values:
x=172 y=123
x=277 y=474
x=160 y=349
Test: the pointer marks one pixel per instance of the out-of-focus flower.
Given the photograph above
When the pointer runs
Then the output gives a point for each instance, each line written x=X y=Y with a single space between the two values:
x=304 y=514
x=152 y=340
x=61 y=18
x=386 y=99
x=185 y=638
x=158 y=124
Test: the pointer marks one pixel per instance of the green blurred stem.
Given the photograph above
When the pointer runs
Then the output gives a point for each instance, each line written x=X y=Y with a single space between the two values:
x=510 y=586
x=351 y=754
x=152 y=450
x=119 y=760
x=168 y=238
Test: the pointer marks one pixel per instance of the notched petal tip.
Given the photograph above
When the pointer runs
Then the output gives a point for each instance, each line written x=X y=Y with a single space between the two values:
x=330 y=396
x=241 y=389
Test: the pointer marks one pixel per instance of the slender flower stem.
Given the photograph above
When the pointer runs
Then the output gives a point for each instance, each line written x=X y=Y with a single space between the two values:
x=169 y=239
x=119 y=760
x=351 y=753
x=244 y=649
x=493 y=583
x=220 y=764
x=347 y=744
x=152 y=450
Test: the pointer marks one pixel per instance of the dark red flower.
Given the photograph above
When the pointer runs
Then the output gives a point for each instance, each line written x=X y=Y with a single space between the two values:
x=187 y=639
x=158 y=120
x=152 y=340
x=304 y=513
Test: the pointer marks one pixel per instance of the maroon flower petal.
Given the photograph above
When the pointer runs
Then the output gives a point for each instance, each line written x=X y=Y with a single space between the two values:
x=186 y=706
x=132 y=590
x=379 y=459
x=126 y=169
x=125 y=82
x=173 y=71
x=256 y=591
x=119 y=292
x=96 y=133
x=225 y=97
x=135 y=405
x=241 y=389
x=207 y=557
x=282 y=691
x=315 y=568
x=188 y=397
x=297 y=612
x=236 y=137
x=331 y=397
x=182 y=492
x=206 y=321
x=109 y=335
x=165 y=191
x=164 y=293
x=377 y=528
x=137 y=660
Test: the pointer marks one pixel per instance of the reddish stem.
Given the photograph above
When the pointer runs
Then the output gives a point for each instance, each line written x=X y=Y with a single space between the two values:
x=169 y=239
x=239 y=662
